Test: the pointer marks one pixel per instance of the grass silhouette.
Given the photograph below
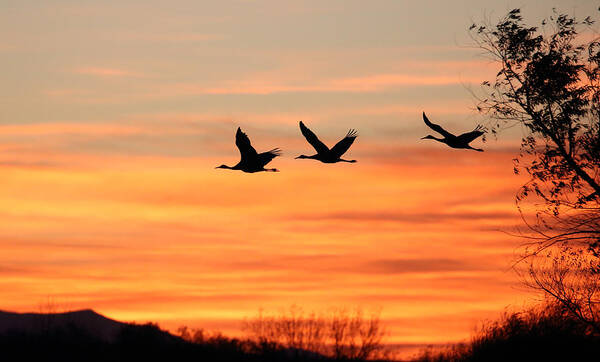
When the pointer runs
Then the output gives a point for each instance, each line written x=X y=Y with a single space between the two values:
x=543 y=333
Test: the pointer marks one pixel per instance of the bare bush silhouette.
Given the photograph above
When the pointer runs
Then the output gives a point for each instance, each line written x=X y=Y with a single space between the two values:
x=342 y=334
x=571 y=280
x=563 y=263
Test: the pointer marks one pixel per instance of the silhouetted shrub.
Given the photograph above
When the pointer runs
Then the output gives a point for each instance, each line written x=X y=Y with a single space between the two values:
x=545 y=333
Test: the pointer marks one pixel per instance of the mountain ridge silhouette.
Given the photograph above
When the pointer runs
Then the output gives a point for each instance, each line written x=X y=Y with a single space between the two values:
x=85 y=335
x=88 y=320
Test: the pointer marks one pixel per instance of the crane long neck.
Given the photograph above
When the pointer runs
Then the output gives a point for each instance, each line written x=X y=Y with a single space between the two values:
x=313 y=156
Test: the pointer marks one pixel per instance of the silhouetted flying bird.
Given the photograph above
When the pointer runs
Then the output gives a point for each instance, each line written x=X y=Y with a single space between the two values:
x=251 y=161
x=451 y=140
x=324 y=154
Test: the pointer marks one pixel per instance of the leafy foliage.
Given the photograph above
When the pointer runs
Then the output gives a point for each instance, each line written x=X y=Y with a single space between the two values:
x=548 y=84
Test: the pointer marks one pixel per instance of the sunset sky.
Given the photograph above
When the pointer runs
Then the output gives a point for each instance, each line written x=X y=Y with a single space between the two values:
x=114 y=115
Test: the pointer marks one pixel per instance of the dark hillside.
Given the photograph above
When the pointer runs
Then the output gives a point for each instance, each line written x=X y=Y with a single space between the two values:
x=96 y=325
x=88 y=336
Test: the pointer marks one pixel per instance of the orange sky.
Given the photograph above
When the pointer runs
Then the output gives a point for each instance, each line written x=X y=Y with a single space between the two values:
x=115 y=115
x=175 y=241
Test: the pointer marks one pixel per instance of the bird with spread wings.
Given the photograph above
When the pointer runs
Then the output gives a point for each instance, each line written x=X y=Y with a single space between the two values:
x=324 y=154
x=451 y=140
x=251 y=161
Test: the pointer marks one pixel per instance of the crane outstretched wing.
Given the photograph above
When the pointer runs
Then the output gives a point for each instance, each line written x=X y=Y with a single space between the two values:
x=266 y=157
x=469 y=136
x=342 y=146
x=313 y=140
x=243 y=144
x=436 y=127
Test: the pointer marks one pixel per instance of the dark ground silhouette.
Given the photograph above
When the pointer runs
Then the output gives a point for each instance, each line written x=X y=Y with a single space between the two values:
x=546 y=333
x=88 y=336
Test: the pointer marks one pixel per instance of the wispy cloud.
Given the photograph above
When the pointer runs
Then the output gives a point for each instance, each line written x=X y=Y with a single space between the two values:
x=292 y=76
x=181 y=37
x=378 y=82
x=420 y=265
x=106 y=72
x=402 y=216
x=372 y=83
x=63 y=128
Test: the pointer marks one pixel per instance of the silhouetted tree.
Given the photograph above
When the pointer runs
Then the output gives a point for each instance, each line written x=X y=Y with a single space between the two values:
x=548 y=84
x=194 y=335
x=342 y=334
x=355 y=336
x=292 y=329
